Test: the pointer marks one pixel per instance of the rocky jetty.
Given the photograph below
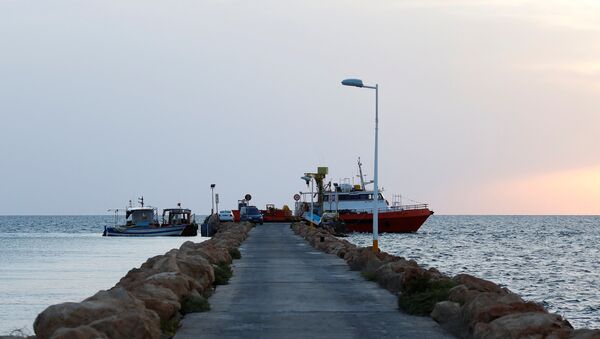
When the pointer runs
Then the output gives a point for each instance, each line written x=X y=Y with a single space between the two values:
x=466 y=306
x=149 y=297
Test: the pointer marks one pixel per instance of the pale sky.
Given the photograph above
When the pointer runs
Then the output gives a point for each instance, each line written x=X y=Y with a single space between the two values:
x=486 y=107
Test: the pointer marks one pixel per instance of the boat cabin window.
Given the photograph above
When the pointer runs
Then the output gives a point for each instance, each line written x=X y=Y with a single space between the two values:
x=140 y=217
x=355 y=197
x=349 y=197
x=176 y=217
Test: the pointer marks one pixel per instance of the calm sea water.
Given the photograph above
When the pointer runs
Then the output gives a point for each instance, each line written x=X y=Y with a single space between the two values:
x=554 y=260
x=46 y=260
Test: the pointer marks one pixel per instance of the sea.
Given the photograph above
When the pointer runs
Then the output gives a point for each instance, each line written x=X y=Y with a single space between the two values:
x=553 y=260
x=45 y=260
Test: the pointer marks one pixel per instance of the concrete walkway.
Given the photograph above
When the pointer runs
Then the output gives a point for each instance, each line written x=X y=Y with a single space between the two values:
x=284 y=288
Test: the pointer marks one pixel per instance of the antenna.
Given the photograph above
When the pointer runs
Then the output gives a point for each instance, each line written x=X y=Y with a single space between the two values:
x=141 y=200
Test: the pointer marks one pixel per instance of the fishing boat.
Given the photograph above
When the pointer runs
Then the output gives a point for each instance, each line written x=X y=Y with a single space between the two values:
x=180 y=219
x=353 y=205
x=142 y=221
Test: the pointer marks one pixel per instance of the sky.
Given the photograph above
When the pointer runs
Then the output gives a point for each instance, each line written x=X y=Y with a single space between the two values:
x=486 y=107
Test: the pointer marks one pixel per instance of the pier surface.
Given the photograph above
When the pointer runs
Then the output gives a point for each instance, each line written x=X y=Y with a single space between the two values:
x=284 y=288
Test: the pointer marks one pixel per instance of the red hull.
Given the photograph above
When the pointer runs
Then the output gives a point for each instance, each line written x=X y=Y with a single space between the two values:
x=406 y=221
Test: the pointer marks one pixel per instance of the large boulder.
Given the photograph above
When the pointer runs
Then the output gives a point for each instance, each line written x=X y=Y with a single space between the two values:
x=190 y=265
x=129 y=325
x=81 y=332
x=389 y=279
x=212 y=253
x=104 y=304
x=448 y=315
x=445 y=311
x=364 y=259
x=489 y=306
x=198 y=268
x=397 y=275
x=161 y=263
x=585 y=334
x=161 y=300
x=524 y=325
x=180 y=284
x=478 y=284
x=462 y=294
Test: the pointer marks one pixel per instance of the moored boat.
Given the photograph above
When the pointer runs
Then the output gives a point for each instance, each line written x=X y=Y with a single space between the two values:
x=143 y=221
x=180 y=219
x=353 y=205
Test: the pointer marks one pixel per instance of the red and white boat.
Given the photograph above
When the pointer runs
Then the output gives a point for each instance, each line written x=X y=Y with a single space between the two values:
x=353 y=205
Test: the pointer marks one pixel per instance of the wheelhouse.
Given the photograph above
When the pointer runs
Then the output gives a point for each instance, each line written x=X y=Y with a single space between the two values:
x=141 y=216
x=177 y=216
x=355 y=201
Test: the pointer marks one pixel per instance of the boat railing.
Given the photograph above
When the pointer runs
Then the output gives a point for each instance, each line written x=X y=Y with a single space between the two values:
x=408 y=207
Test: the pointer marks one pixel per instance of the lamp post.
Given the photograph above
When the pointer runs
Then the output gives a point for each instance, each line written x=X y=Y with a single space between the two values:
x=359 y=83
x=217 y=203
x=212 y=193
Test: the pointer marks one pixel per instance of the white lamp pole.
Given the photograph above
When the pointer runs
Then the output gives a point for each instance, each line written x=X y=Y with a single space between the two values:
x=359 y=83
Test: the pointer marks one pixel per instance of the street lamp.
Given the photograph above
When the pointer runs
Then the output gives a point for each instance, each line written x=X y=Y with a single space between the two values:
x=359 y=83
x=212 y=191
x=312 y=195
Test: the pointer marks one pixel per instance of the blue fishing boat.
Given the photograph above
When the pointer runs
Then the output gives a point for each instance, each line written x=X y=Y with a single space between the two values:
x=143 y=221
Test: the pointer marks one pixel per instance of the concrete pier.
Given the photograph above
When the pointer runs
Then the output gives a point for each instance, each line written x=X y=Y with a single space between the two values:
x=284 y=288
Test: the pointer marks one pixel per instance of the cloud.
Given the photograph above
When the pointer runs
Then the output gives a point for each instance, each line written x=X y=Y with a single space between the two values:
x=576 y=74
x=579 y=15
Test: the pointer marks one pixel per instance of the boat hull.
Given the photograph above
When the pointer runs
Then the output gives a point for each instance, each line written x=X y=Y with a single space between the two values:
x=172 y=231
x=405 y=221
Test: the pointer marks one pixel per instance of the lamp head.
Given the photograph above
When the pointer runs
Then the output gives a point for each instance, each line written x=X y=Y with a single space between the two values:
x=353 y=82
x=212 y=185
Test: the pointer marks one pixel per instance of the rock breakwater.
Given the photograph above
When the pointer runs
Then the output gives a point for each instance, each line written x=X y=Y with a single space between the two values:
x=146 y=298
x=466 y=306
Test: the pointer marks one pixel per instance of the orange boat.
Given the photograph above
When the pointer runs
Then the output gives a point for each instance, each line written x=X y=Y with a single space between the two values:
x=272 y=214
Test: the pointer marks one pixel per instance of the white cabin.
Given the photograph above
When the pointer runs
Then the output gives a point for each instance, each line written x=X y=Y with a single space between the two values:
x=354 y=201
x=141 y=216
